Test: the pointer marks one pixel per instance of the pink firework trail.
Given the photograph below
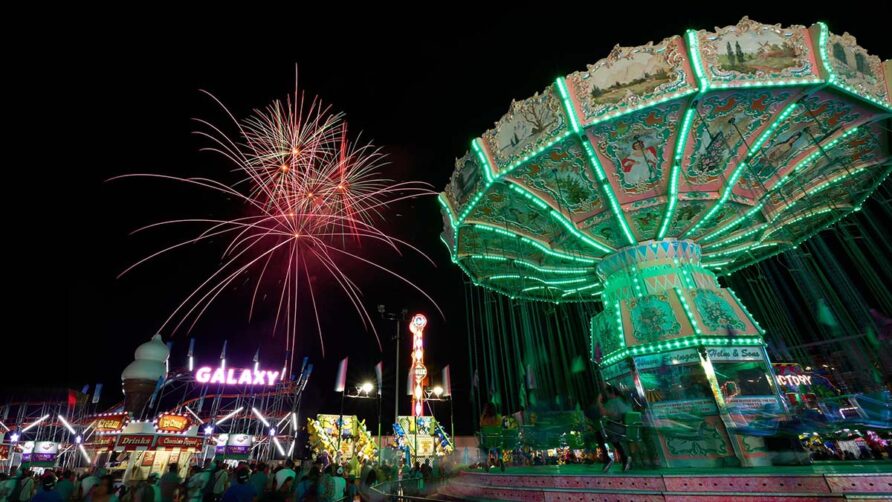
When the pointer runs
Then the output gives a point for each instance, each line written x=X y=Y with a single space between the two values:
x=311 y=196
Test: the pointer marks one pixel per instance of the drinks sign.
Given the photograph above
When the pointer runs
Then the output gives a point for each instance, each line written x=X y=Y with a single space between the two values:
x=131 y=442
x=236 y=376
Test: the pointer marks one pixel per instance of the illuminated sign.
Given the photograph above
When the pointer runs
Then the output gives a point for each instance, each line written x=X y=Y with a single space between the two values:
x=416 y=326
x=172 y=422
x=130 y=442
x=44 y=451
x=182 y=442
x=103 y=442
x=794 y=380
x=236 y=376
x=111 y=423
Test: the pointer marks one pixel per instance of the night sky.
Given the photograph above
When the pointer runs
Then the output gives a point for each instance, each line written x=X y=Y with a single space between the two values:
x=116 y=97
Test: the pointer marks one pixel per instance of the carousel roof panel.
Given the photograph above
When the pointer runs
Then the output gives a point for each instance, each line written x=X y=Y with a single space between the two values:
x=735 y=138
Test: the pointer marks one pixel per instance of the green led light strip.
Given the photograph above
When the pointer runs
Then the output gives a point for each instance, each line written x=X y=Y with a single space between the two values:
x=510 y=294
x=584 y=288
x=820 y=187
x=737 y=237
x=833 y=78
x=741 y=249
x=561 y=218
x=679 y=343
x=687 y=311
x=484 y=162
x=441 y=199
x=534 y=278
x=829 y=224
x=694 y=54
x=606 y=188
x=531 y=265
x=744 y=309
x=643 y=105
x=534 y=288
x=809 y=214
x=569 y=109
x=619 y=324
x=680 y=143
x=702 y=86
x=738 y=169
x=545 y=249
x=799 y=166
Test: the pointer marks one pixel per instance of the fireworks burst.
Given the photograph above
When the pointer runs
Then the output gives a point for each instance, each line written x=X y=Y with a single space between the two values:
x=310 y=197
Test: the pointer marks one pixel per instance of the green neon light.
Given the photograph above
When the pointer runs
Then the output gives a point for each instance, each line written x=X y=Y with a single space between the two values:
x=511 y=294
x=560 y=218
x=676 y=168
x=719 y=264
x=551 y=269
x=619 y=324
x=529 y=195
x=584 y=288
x=824 y=38
x=736 y=238
x=694 y=53
x=643 y=105
x=792 y=82
x=738 y=169
x=834 y=80
x=487 y=168
x=534 y=243
x=846 y=88
x=740 y=249
x=679 y=343
x=687 y=311
x=561 y=84
x=607 y=190
x=802 y=164
x=744 y=309
x=534 y=288
x=820 y=187
x=533 y=278
x=445 y=205
x=509 y=276
x=820 y=229
x=810 y=214
x=530 y=265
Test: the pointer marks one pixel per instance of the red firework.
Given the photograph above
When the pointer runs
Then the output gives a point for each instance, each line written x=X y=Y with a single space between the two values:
x=310 y=196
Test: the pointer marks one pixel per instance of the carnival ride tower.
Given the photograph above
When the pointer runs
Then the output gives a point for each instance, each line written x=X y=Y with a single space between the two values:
x=637 y=180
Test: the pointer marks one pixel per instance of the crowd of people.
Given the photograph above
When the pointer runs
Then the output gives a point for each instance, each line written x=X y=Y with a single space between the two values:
x=320 y=480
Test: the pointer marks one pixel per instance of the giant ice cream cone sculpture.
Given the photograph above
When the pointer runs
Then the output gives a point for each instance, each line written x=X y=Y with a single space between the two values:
x=141 y=376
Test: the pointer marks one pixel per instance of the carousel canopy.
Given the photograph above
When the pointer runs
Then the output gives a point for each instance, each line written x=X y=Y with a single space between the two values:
x=745 y=140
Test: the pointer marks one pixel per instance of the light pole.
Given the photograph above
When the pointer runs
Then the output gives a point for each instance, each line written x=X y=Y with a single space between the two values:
x=363 y=391
x=439 y=391
x=398 y=319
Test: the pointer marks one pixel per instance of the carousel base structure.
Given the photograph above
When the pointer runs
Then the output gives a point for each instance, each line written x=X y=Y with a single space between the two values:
x=824 y=481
